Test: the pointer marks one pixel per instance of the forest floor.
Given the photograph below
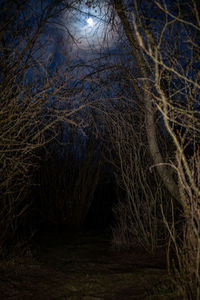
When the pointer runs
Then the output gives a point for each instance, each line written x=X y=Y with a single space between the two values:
x=83 y=267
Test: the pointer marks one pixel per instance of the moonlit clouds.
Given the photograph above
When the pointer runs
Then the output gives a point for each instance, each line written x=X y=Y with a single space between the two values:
x=89 y=27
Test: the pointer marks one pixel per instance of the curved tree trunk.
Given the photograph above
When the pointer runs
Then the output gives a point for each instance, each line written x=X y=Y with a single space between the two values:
x=164 y=172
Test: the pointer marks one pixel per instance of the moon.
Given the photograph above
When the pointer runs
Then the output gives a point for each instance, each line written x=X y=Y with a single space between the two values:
x=90 y=22
x=89 y=27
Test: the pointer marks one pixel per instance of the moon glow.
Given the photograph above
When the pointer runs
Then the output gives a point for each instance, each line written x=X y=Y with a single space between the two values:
x=89 y=27
x=90 y=22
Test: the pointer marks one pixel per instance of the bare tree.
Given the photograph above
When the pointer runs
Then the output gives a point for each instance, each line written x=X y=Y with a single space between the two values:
x=138 y=214
x=163 y=38
x=167 y=56
x=36 y=94
x=145 y=72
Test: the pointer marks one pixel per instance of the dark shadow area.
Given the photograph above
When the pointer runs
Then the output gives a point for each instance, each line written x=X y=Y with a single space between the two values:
x=100 y=215
x=99 y=219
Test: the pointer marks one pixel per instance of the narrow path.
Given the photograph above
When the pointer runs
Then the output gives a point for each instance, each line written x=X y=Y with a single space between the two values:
x=79 y=267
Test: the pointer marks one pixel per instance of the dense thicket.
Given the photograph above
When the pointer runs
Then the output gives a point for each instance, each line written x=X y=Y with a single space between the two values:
x=131 y=108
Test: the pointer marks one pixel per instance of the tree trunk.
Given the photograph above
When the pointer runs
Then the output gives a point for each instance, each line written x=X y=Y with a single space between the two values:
x=164 y=171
